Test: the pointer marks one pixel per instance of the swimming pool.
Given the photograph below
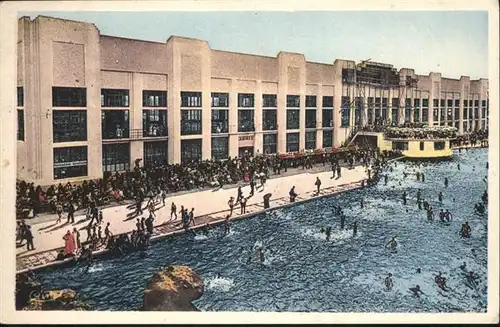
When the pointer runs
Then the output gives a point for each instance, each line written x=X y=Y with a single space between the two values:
x=303 y=272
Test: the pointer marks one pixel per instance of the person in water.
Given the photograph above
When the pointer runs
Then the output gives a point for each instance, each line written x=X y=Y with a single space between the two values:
x=448 y=215
x=419 y=195
x=446 y=182
x=440 y=281
x=441 y=215
x=393 y=244
x=342 y=221
x=328 y=232
x=418 y=176
x=440 y=197
x=404 y=197
x=465 y=231
x=416 y=291
x=355 y=229
x=262 y=256
x=471 y=278
x=388 y=282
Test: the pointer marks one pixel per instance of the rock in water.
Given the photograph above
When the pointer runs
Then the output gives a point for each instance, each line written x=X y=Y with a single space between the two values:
x=173 y=289
x=66 y=299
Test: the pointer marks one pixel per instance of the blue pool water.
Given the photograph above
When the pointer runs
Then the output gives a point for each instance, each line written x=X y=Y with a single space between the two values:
x=303 y=272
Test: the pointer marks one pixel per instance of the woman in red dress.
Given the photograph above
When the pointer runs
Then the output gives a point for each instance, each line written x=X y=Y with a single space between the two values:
x=69 y=246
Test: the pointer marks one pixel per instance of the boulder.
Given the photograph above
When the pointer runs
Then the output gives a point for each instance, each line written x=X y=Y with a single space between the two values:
x=65 y=299
x=173 y=289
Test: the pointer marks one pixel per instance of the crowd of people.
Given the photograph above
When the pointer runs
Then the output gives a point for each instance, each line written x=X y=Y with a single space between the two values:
x=474 y=138
x=421 y=133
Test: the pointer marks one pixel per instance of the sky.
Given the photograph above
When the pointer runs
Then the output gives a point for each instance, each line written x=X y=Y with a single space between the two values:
x=454 y=43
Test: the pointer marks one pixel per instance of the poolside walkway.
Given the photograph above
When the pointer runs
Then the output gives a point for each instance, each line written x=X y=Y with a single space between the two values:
x=210 y=207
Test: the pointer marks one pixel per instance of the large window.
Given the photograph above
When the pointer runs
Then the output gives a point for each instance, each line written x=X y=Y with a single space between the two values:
x=327 y=102
x=449 y=103
x=269 y=120
x=70 y=162
x=310 y=101
x=20 y=125
x=425 y=103
x=191 y=122
x=457 y=113
x=425 y=114
x=292 y=101
x=154 y=98
x=270 y=143
x=327 y=139
x=438 y=145
x=292 y=142
x=20 y=96
x=269 y=101
x=407 y=110
x=115 y=157
x=246 y=100
x=292 y=119
x=69 y=97
x=155 y=153
x=358 y=107
x=69 y=125
x=403 y=146
x=246 y=120
x=190 y=151
x=327 y=119
x=310 y=118
x=220 y=121
x=457 y=103
x=191 y=99
x=310 y=140
x=220 y=100
x=385 y=108
x=435 y=112
x=345 y=113
x=114 y=98
x=220 y=148
x=154 y=123
x=114 y=124
x=435 y=103
x=442 y=103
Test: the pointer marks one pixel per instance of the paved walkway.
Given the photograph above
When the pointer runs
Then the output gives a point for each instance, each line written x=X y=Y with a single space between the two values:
x=210 y=207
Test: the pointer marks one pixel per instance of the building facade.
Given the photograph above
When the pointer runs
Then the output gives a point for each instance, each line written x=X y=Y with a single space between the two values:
x=90 y=103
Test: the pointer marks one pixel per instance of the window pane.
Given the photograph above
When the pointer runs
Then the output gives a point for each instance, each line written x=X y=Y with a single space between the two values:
x=310 y=140
x=114 y=124
x=327 y=118
x=346 y=112
x=116 y=157
x=154 y=123
x=190 y=99
x=292 y=142
x=114 y=98
x=293 y=101
x=220 y=100
x=70 y=162
x=245 y=100
x=310 y=118
x=269 y=120
x=220 y=148
x=191 y=122
x=155 y=153
x=20 y=96
x=154 y=98
x=69 y=125
x=20 y=125
x=269 y=143
x=269 y=101
x=220 y=121
x=310 y=101
x=293 y=119
x=327 y=139
x=190 y=151
x=246 y=121
x=328 y=102
x=69 y=97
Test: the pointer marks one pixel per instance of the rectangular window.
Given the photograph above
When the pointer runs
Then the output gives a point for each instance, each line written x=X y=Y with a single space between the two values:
x=292 y=101
x=114 y=98
x=403 y=146
x=269 y=101
x=310 y=140
x=154 y=123
x=457 y=103
x=416 y=103
x=327 y=139
x=464 y=112
x=476 y=112
x=395 y=103
x=191 y=122
x=416 y=115
x=457 y=113
x=442 y=103
x=327 y=119
x=425 y=103
x=483 y=103
x=269 y=119
x=116 y=157
x=422 y=146
x=154 y=98
x=220 y=148
x=438 y=145
x=270 y=143
x=190 y=151
x=395 y=115
x=20 y=96
x=457 y=124
x=114 y=124
x=292 y=142
x=385 y=102
x=310 y=101
x=476 y=103
x=464 y=125
x=449 y=113
x=483 y=111
x=470 y=113
x=246 y=120
x=327 y=101
x=310 y=118
x=435 y=103
x=246 y=100
x=435 y=112
x=292 y=119
x=69 y=125
x=70 y=162
x=346 y=112
x=155 y=153
x=470 y=103
x=191 y=99
x=220 y=100
x=449 y=103
x=466 y=103
x=69 y=97
x=220 y=121
x=425 y=115
x=358 y=108
x=20 y=125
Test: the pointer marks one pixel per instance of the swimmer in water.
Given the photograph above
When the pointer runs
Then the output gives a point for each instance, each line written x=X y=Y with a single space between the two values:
x=393 y=244
x=388 y=282
x=416 y=291
x=328 y=233
x=440 y=281
x=448 y=215
x=440 y=196
x=446 y=182
x=419 y=271
x=261 y=255
x=471 y=279
x=463 y=266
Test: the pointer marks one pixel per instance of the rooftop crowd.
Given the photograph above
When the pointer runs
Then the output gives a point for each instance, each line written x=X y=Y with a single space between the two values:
x=143 y=182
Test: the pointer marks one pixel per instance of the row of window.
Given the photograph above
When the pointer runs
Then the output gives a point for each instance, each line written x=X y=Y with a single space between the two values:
x=403 y=146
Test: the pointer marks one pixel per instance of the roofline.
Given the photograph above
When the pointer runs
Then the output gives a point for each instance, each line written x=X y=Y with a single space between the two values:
x=245 y=54
x=131 y=39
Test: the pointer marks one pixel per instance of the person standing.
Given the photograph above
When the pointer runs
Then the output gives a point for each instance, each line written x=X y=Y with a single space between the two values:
x=230 y=203
x=318 y=185
x=266 y=200
x=71 y=213
x=69 y=246
x=191 y=217
x=243 y=203
x=28 y=236
x=339 y=170
x=107 y=233
x=76 y=236
x=240 y=195
x=252 y=186
x=173 y=211
x=59 y=211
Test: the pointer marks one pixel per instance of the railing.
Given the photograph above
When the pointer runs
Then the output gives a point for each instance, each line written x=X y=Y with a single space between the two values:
x=139 y=133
